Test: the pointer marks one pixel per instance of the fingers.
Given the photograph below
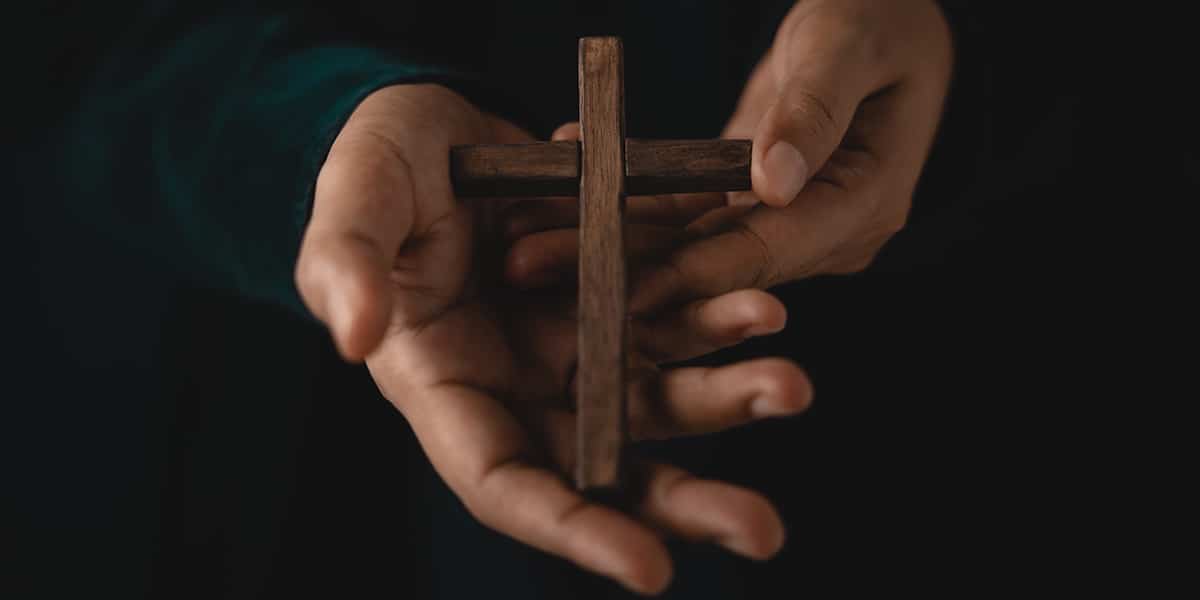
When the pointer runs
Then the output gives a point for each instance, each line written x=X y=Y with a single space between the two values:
x=858 y=200
x=705 y=326
x=769 y=246
x=812 y=110
x=703 y=510
x=343 y=280
x=536 y=507
x=363 y=210
x=677 y=504
x=683 y=401
x=832 y=211
x=540 y=214
x=826 y=60
x=387 y=245
x=480 y=451
x=545 y=246
x=551 y=257
x=567 y=131
x=676 y=210
x=698 y=400
x=737 y=258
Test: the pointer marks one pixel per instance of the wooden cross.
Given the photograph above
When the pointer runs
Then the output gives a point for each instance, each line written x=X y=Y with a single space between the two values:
x=602 y=168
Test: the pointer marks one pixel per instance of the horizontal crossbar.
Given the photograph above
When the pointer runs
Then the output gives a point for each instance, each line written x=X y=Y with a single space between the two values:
x=552 y=168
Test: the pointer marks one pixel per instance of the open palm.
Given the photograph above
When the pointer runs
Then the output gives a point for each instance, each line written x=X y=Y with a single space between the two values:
x=483 y=374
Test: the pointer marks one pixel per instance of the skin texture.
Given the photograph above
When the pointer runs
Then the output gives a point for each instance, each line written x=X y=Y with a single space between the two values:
x=404 y=276
x=401 y=273
x=842 y=112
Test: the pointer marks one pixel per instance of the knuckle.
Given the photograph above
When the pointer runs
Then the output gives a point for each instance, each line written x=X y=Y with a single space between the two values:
x=768 y=273
x=366 y=160
x=371 y=168
x=437 y=94
x=810 y=114
x=334 y=174
x=849 y=168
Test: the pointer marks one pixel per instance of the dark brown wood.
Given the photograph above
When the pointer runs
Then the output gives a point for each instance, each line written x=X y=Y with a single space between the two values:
x=682 y=166
x=600 y=397
x=552 y=168
x=601 y=168
x=509 y=170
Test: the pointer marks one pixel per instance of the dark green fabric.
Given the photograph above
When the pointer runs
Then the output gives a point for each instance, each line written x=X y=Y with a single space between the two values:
x=201 y=152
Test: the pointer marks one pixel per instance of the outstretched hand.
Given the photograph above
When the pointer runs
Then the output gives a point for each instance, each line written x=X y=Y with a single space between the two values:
x=401 y=273
x=842 y=111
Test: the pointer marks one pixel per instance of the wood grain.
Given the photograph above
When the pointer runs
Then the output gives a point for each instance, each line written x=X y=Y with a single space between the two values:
x=512 y=170
x=683 y=166
x=600 y=399
x=552 y=168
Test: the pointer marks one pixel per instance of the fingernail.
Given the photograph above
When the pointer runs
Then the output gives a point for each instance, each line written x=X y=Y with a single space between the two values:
x=742 y=199
x=759 y=329
x=786 y=171
x=760 y=550
x=743 y=547
x=765 y=406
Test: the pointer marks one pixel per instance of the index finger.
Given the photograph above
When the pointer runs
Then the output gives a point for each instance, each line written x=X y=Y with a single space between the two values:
x=481 y=452
x=765 y=247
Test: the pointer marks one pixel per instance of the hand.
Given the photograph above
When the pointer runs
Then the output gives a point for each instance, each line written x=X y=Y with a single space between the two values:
x=842 y=111
x=398 y=270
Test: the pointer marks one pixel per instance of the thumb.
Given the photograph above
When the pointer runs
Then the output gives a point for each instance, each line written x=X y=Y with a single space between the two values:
x=362 y=213
x=797 y=135
x=342 y=280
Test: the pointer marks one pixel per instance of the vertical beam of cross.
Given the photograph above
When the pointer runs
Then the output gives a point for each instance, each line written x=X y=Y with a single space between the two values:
x=600 y=396
x=601 y=168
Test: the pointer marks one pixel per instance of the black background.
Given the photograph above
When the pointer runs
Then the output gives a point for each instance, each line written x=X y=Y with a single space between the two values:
x=974 y=415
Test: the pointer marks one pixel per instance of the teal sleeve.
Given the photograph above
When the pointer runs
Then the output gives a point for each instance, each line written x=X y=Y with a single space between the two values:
x=200 y=151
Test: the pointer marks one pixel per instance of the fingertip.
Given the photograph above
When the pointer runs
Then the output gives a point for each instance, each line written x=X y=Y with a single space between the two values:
x=525 y=267
x=783 y=389
x=542 y=259
x=566 y=131
x=741 y=198
x=517 y=263
x=639 y=561
x=779 y=173
x=651 y=575
x=340 y=320
x=761 y=312
x=343 y=281
x=760 y=534
x=358 y=317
